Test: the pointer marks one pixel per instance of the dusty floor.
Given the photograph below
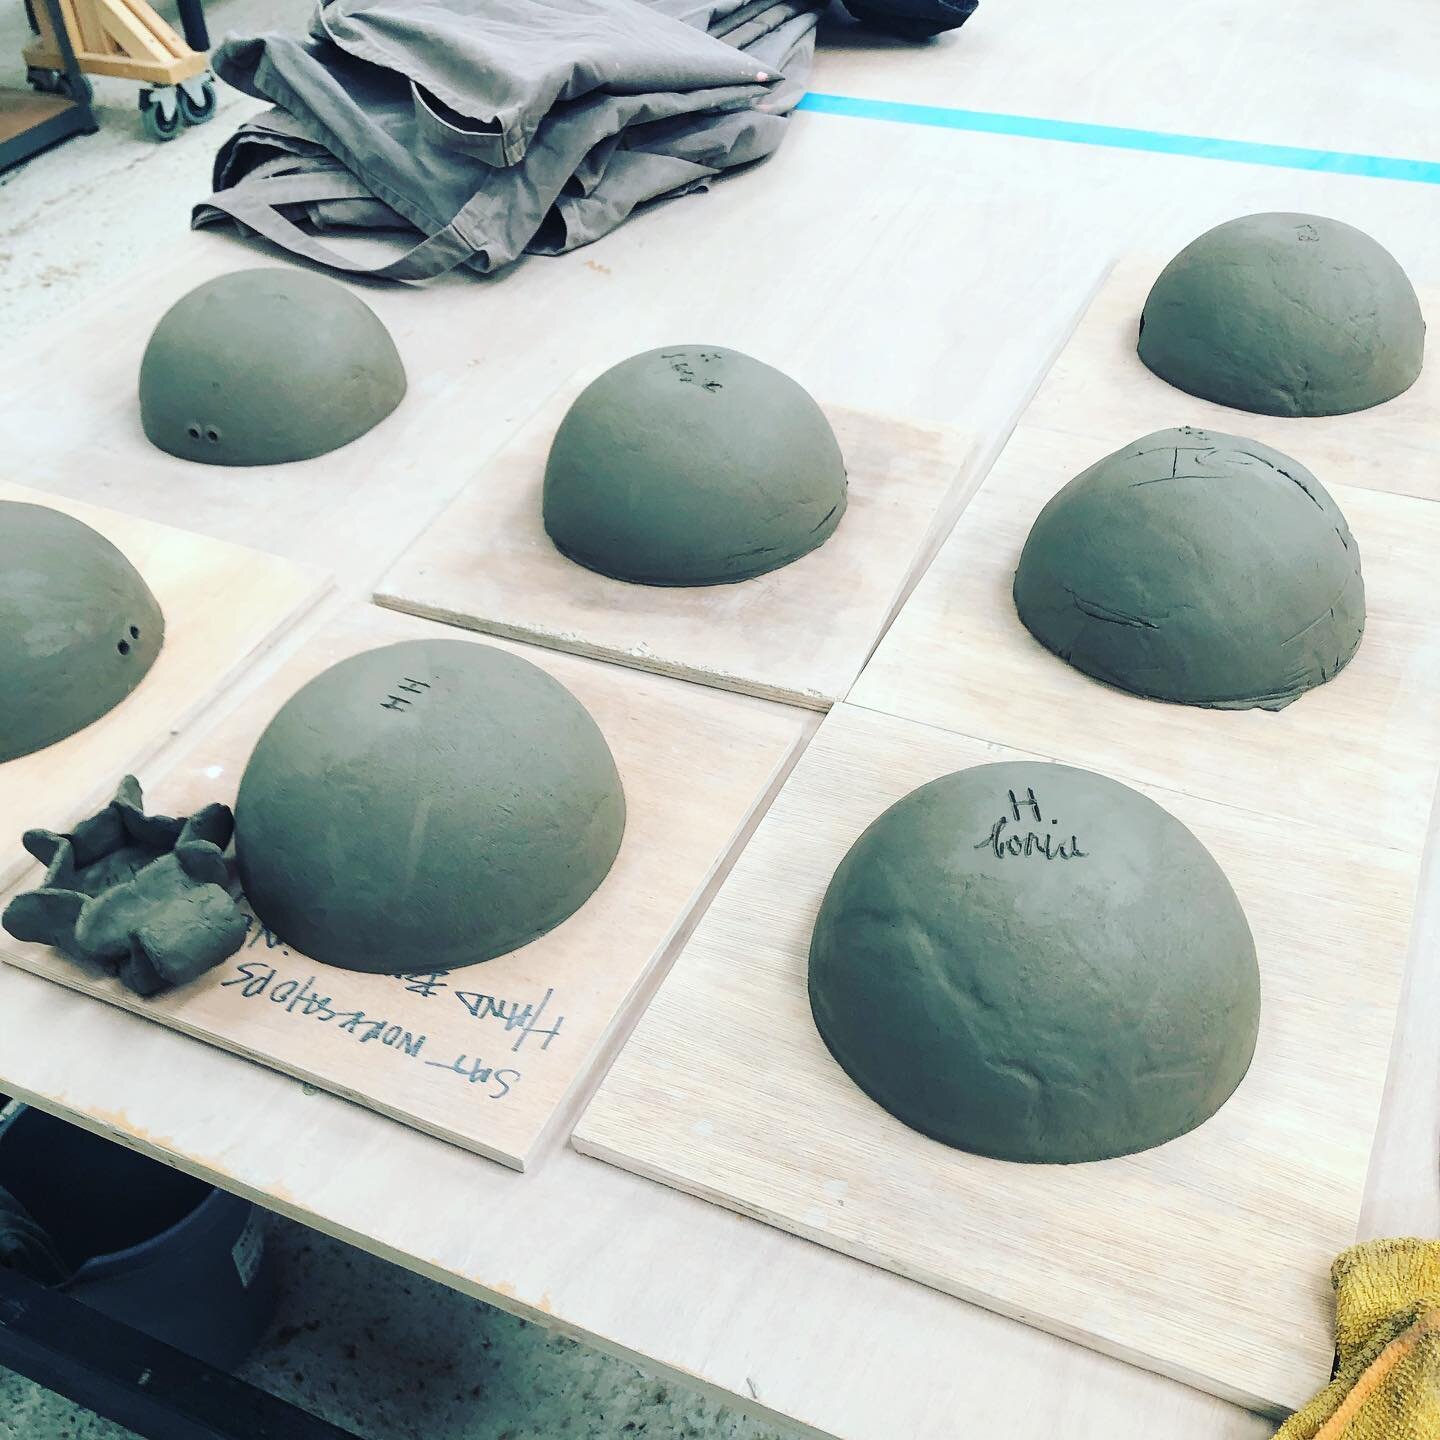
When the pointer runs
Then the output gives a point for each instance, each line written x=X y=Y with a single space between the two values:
x=367 y=1345
x=391 y=1356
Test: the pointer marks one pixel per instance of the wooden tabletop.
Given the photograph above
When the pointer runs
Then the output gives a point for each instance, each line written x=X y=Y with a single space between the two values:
x=919 y=270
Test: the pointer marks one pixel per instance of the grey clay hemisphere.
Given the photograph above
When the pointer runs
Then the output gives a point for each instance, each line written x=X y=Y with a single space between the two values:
x=692 y=465
x=1285 y=314
x=1196 y=567
x=79 y=627
x=426 y=805
x=1036 y=963
x=261 y=367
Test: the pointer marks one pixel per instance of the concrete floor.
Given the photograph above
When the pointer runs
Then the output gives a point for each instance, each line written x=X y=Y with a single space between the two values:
x=361 y=1342
x=391 y=1356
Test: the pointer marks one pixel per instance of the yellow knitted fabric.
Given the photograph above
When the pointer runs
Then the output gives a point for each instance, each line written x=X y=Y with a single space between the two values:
x=1387 y=1343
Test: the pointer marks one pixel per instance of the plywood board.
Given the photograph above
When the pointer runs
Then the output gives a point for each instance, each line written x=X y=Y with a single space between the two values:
x=1099 y=386
x=1361 y=752
x=1205 y=1259
x=485 y=1056
x=799 y=634
x=222 y=605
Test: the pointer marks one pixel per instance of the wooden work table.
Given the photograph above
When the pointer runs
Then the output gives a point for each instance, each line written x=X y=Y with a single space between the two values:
x=905 y=269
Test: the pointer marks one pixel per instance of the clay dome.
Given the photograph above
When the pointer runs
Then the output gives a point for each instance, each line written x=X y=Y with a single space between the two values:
x=692 y=465
x=1036 y=963
x=261 y=367
x=426 y=805
x=79 y=628
x=1196 y=567
x=1285 y=314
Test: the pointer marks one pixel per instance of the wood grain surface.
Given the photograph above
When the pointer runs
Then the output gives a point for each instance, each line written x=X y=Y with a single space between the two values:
x=1205 y=1259
x=798 y=634
x=486 y=1056
x=223 y=604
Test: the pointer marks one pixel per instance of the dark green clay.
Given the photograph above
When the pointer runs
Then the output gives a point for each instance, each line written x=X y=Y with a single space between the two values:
x=1285 y=314
x=79 y=628
x=426 y=805
x=1196 y=567
x=692 y=465
x=261 y=367
x=144 y=897
x=1036 y=963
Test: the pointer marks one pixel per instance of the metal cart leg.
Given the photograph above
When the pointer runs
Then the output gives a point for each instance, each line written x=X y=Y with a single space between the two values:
x=192 y=22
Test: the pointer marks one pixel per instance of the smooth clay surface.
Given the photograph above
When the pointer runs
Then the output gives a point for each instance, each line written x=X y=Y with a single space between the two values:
x=435 y=800
x=1036 y=963
x=79 y=628
x=1196 y=567
x=260 y=367
x=692 y=465
x=1283 y=314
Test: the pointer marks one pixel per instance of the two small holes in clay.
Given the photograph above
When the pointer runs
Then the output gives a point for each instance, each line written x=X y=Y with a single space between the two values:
x=209 y=432
x=124 y=646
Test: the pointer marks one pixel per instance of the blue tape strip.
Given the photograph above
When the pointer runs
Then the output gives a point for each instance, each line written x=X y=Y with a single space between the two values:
x=1115 y=137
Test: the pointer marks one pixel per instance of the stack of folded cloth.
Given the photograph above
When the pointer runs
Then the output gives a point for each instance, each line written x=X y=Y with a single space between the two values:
x=483 y=129
x=496 y=127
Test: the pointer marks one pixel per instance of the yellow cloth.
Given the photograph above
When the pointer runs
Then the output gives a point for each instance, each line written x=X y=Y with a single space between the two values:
x=1387 y=1344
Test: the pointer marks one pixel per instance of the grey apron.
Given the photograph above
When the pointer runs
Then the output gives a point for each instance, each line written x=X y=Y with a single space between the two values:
x=495 y=127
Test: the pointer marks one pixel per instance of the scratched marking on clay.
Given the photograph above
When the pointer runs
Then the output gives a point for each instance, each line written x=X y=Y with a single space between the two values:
x=684 y=362
x=1042 y=844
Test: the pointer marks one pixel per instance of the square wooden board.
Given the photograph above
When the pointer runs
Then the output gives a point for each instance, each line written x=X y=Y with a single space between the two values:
x=798 y=634
x=1206 y=1259
x=505 y=1044
x=1100 y=386
x=1360 y=753
x=223 y=605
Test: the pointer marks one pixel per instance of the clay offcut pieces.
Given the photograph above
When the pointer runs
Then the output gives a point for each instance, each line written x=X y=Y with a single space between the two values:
x=79 y=627
x=145 y=897
x=692 y=465
x=1036 y=963
x=1196 y=567
x=432 y=802
x=265 y=366
x=1285 y=314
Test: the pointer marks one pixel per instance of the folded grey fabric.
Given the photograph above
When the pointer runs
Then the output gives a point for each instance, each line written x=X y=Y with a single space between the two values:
x=493 y=127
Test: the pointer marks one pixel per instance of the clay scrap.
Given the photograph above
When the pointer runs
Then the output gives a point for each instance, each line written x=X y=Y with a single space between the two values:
x=145 y=897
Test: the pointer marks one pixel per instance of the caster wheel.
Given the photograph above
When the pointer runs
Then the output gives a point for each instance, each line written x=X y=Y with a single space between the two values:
x=158 y=121
x=194 y=112
x=47 y=82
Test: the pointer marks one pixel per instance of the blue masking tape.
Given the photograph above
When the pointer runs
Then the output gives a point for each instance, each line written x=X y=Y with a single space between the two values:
x=1115 y=137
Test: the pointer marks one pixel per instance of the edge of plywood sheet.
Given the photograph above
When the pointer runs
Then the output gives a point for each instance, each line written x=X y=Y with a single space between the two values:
x=799 y=634
x=575 y=986
x=1098 y=385
x=263 y=598
x=725 y=1090
x=958 y=656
